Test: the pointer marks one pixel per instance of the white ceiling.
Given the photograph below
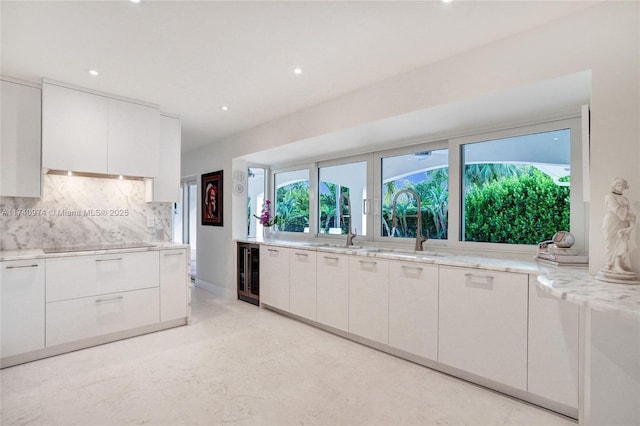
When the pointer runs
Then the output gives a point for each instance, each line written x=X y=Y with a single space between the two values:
x=191 y=57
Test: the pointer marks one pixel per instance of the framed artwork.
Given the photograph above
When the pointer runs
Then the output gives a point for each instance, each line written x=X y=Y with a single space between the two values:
x=211 y=190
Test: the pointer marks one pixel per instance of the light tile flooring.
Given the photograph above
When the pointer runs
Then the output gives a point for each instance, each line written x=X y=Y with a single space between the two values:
x=241 y=365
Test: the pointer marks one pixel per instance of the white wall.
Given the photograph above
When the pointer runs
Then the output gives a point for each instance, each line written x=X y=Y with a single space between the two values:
x=604 y=39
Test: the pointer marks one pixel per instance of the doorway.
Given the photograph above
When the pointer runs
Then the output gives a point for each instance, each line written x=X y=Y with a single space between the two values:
x=184 y=220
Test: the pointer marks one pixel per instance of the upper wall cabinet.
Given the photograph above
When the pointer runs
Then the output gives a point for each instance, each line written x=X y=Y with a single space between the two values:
x=133 y=139
x=166 y=187
x=20 y=173
x=91 y=133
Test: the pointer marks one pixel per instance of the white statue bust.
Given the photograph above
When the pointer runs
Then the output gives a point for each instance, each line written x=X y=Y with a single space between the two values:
x=618 y=224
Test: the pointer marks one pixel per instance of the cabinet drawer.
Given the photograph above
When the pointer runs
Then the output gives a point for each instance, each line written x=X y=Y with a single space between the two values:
x=71 y=320
x=483 y=323
x=369 y=298
x=302 y=283
x=174 y=284
x=81 y=276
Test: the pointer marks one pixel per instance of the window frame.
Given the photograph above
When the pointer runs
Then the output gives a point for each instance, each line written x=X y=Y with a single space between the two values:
x=579 y=225
x=578 y=222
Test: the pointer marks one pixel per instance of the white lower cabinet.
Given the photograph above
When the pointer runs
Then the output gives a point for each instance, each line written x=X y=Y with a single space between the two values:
x=333 y=290
x=413 y=308
x=302 y=283
x=553 y=347
x=274 y=277
x=21 y=306
x=80 y=276
x=77 y=319
x=369 y=298
x=174 y=284
x=483 y=324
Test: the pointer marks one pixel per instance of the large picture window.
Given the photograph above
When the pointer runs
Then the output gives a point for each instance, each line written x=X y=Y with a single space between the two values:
x=517 y=190
x=292 y=200
x=425 y=174
x=342 y=190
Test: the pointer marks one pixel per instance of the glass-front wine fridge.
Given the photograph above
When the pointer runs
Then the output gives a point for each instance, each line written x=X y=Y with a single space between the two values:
x=249 y=273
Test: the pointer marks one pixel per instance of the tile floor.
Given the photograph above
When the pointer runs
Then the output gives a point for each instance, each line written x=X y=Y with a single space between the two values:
x=241 y=365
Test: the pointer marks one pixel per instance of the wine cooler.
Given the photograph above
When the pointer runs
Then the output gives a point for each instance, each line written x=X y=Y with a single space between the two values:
x=249 y=273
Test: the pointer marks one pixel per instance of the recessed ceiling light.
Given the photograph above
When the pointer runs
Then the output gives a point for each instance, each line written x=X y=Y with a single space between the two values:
x=93 y=72
x=224 y=107
x=135 y=1
x=443 y=1
x=69 y=173
x=297 y=70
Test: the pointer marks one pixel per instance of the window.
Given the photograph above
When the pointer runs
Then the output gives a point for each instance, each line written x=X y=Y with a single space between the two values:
x=255 y=199
x=516 y=190
x=292 y=200
x=425 y=173
x=335 y=184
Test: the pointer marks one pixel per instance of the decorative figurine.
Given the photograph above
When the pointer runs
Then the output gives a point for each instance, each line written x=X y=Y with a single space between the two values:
x=618 y=224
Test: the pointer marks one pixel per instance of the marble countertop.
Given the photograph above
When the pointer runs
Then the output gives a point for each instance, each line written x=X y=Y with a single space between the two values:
x=493 y=263
x=26 y=254
x=575 y=285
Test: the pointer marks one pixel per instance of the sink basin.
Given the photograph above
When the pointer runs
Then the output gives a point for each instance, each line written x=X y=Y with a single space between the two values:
x=336 y=245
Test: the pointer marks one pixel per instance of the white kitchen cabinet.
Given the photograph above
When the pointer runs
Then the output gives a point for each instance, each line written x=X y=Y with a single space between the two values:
x=369 y=298
x=22 y=308
x=74 y=130
x=20 y=170
x=174 y=284
x=333 y=290
x=302 y=283
x=166 y=186
x=93 y=133
x=413 y=308
x=483 y=323
x=79 y=276
x=86 y=317
x=133 y=139
x=553 y=347
x=274 y=277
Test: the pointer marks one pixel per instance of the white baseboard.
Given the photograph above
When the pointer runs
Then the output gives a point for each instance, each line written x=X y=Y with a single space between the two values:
x=216 y=289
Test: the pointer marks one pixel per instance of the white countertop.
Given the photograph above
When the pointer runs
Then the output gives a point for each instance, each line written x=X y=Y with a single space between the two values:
x=573 y=284
x=7 y=255
x=576 y=286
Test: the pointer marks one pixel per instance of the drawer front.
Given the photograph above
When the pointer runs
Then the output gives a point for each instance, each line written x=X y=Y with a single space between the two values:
x=302 y=283
x=82 y=276
x=483 y=323
x=369 y=298
x=21 y=306
x=72 y=320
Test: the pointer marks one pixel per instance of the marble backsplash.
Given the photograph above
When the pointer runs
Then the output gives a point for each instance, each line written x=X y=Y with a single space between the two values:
x=76 y=211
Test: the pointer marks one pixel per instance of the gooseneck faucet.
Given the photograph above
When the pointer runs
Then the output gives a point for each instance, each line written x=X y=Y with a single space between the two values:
x=419 y=238
x=350 y=234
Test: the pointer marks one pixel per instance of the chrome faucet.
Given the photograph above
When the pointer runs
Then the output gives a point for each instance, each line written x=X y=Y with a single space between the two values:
x=419 y=238
x=350 y=234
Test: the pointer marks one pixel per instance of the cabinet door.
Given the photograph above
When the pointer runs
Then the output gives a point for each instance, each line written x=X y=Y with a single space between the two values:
x=483 y=323
x=553 y=347
x=21 y=306
x=333 y=290
x=77 y=319
x=174 y=284
x=413 y=308
x=274 y=277
x=80 y=276
x=369 y=298
x=166 y=187
x=302 y=283
x=133 y=139
x=74 y=130
x=20 y=170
